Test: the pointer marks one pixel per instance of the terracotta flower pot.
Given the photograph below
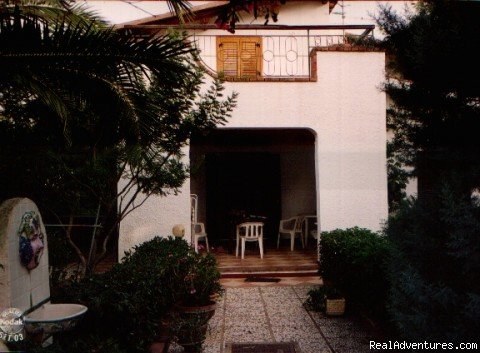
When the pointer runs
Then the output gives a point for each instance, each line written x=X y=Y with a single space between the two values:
x=206 y=311
x=164 y=336
x=193 y=325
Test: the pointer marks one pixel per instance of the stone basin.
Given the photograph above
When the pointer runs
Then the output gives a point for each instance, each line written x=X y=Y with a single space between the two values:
x=53 y=318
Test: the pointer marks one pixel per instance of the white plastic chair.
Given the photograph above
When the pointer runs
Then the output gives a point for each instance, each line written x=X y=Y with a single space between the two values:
x=308 y=227
x=291 y=228
x=199 y=233
x=249 y=231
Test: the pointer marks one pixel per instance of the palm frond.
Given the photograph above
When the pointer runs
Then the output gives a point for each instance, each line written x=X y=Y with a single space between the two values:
x=182 y=9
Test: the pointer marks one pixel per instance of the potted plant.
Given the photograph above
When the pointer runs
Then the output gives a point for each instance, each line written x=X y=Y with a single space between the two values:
x=196 y=299
x=327 y=299
x=334 y=302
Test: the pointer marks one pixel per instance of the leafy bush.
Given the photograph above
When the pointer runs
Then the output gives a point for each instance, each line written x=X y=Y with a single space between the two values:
x=316 y=300
x=354 y=260
x=316 y=297
x=435 y=270
x=129 y=304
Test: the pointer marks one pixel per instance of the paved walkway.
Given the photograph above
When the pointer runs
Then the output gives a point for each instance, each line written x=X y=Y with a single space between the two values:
x=276 y=314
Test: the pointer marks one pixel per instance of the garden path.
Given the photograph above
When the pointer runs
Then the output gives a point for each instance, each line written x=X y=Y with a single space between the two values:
x=276 y=314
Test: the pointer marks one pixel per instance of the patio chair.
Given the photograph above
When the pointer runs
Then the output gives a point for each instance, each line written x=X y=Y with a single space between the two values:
x=199 y=233
x=291 y=228
x=309 y=227
x=249 y=231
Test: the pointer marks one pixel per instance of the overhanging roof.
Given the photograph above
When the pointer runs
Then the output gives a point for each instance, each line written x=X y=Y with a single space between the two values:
x=200 y=11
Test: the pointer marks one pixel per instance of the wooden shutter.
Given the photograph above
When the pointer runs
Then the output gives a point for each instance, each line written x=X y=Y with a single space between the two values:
x=239 y=56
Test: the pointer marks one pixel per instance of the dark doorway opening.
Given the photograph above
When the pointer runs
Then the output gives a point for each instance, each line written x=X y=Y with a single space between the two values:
x=244 y=184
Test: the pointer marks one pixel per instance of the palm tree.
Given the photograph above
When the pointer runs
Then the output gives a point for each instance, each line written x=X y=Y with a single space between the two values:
x=125 y=105
x=65 y=56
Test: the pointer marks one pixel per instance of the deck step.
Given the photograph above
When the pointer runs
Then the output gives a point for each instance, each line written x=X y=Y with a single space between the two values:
x=269 y=274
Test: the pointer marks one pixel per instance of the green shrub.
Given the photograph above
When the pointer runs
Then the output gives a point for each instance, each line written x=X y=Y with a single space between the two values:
x=129 y=303
x=435 y=270
x=354 y=260
x=316 y=297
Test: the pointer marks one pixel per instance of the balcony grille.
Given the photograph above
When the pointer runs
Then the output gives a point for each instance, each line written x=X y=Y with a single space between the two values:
x=283 y=56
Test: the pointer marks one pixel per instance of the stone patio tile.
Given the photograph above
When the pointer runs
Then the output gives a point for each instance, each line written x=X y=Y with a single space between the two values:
x=278 y=292
x=243 y=293
x=346 y=345
x=212 y=347
x=323 y=320
x=247 y=333
x=284 y=304
x=296 y=333
x=218 y=317
x=214 y=333
x=302 y=291
x=345 y=330
x=277 y=319
x=245 y=319
x=247 y=307
x=314 y=347
x=270 y=314
x=291 y=311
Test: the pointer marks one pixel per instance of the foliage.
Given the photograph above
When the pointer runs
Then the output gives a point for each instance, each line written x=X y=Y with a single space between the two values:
x=268 y=9
x=317 y=297
x=83 y=106
x=354 y=260
x=397 y=179
x=435 y=270
x=435 y=116
x=140 y=292
x=200 y=282
x=435 y=110
x=60 y=257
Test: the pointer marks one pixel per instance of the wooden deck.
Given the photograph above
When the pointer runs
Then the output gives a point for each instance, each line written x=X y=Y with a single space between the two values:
x=282 y=262
x=279 y=262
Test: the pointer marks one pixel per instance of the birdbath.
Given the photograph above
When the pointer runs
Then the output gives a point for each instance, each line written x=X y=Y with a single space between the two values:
x=24 y=281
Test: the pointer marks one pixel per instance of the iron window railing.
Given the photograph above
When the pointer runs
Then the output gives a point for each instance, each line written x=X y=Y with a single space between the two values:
x=283 y=56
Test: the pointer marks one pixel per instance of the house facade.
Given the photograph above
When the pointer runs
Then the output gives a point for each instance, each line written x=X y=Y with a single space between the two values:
x=308 y=135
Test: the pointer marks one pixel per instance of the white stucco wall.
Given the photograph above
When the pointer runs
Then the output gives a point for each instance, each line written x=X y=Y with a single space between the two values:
x=298 y=182
x=157 y=216
x=346 y=110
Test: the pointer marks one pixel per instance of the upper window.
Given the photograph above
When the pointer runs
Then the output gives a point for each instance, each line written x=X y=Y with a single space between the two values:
x=239 y=56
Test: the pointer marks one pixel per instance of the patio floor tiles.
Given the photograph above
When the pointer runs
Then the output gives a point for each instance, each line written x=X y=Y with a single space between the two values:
x=276 y=314
x=314 y=347
x=302 y=291
x=248 y=333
